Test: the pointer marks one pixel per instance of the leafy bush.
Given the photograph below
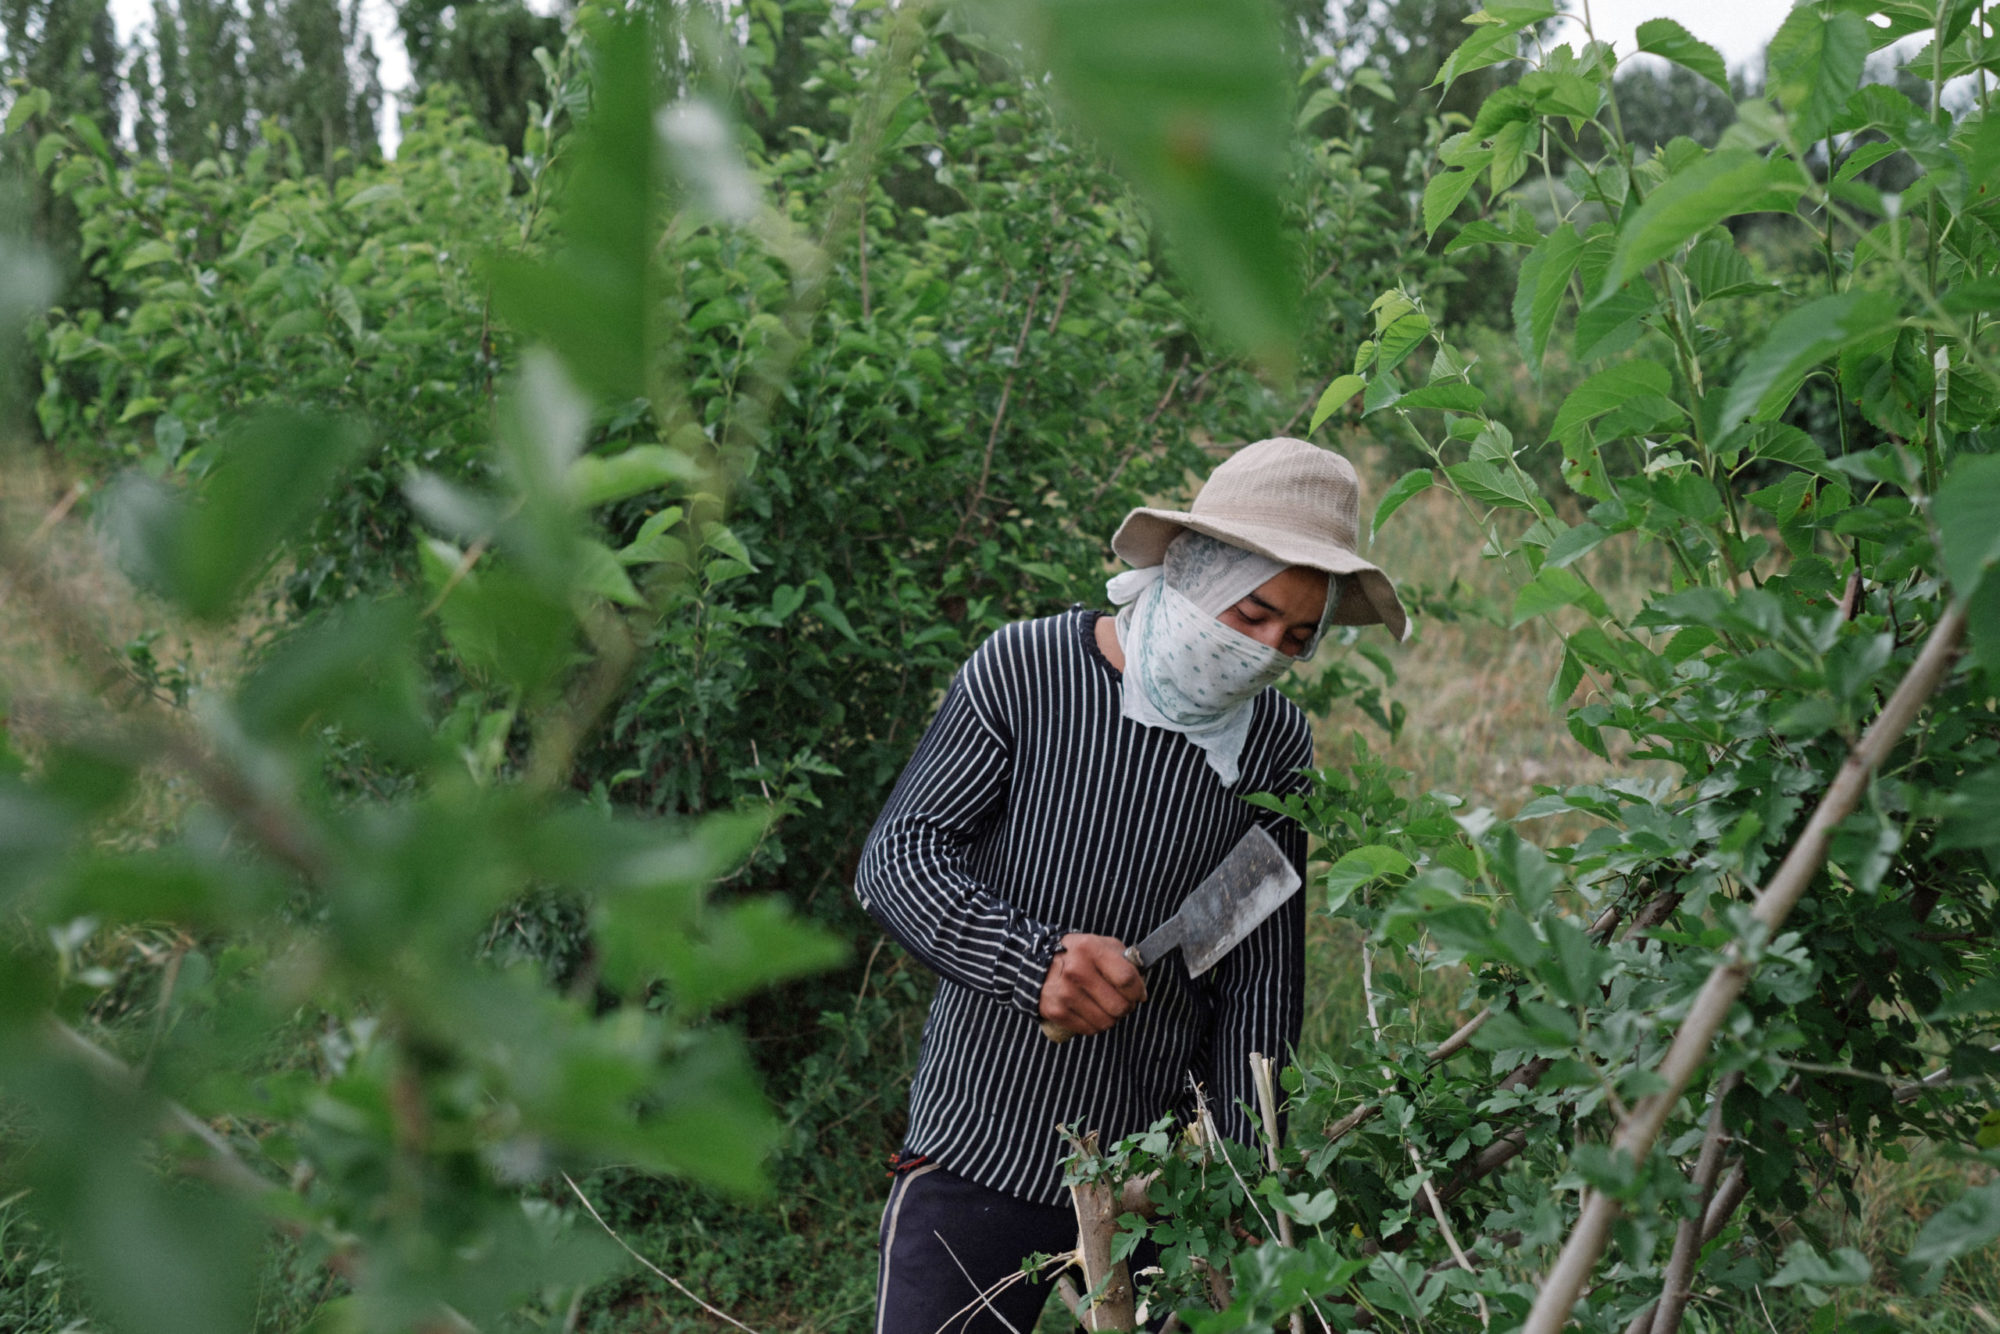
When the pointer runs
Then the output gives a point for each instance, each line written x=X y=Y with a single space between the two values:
x=1778 y=960
x=799 y=440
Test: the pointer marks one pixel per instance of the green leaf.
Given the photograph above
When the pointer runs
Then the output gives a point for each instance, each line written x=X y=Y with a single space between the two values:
x=30 y=102
x=1313 y=1209
x=1721 y=185
x=599 y=573
x=1407 y=486
x=1844 y=1268
x=1402 y=337
x=1561 y=92
x=1523 y=870
x=147 y=252
x=1718 y=269
x=1813 y=65
x=1383 y=391
x=1573 y=544
x=176 y=1257
x=1513 y=143
x=1666 y=38
x=1961 y=1227
x=1192 y=100
x=1983 y=996
x=347 y=307
x=1545 y=276
x=740 y=949
x=1363 y=866
x=1343 y=388
x=1609 y=388
x=1555 y=586
x=829 y=611
x=1492 y=41
x=1449 y=396
x=589 y=303
x=1494 y=485
x=600 y=479
x=1568 y=676
x=204 y=550
x=1580 y=965
x=262 y=229
x=1444 y=192
x=1972 y=296
x=1967 y=510
x=504 y=628
x=1806 y=336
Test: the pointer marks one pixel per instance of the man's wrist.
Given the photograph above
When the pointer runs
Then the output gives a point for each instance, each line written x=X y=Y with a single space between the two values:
x=1037 y=950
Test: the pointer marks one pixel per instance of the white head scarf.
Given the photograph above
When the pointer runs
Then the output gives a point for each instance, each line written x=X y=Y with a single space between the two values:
x=1184 y=669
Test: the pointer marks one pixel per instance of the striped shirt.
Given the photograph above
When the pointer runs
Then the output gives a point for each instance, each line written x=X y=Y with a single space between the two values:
x=1031 y=809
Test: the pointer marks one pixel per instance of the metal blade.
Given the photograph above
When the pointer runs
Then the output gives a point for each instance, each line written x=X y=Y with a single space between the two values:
x=1244 y=889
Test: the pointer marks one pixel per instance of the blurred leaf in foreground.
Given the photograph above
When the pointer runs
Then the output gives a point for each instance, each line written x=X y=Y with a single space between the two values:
x=1192 y=99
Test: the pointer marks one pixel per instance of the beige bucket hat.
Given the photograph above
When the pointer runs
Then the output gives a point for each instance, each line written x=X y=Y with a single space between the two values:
x=1286 y=499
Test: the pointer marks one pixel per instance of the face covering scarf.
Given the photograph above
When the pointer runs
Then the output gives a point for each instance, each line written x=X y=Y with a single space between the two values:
x=1184 y=669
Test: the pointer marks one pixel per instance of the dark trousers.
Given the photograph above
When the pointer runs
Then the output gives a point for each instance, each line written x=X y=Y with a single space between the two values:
x=952 y=1252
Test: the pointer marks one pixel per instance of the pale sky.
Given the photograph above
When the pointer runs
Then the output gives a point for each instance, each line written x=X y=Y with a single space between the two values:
x=1737 y=28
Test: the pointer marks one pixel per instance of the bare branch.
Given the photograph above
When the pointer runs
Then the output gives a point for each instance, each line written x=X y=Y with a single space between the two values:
x=678 y=1286
x=1674 y=1288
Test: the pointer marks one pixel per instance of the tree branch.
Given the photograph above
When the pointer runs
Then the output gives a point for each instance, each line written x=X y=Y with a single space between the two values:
x=1641 y=1127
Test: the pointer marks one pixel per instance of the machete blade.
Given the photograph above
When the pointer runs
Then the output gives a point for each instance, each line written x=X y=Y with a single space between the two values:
x=1244 y=889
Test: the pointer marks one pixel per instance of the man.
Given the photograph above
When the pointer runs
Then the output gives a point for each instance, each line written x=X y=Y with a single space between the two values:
x=1081 y=777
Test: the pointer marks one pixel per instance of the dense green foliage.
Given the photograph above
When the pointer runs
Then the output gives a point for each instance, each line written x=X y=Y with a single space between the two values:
x=894 y=376
x=664 y=425
x=1809 y=568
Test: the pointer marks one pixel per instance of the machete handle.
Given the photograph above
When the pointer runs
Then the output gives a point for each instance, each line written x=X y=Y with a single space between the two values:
x=1055 y=1032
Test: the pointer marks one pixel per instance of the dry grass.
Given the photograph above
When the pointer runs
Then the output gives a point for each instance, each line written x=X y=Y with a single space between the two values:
x=87 y=648
x=1480 y=722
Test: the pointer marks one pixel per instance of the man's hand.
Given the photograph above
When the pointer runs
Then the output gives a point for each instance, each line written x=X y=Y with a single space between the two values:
x=1091 y=985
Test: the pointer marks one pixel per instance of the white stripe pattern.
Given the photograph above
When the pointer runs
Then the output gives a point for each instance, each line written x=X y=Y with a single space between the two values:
x=1032 y=808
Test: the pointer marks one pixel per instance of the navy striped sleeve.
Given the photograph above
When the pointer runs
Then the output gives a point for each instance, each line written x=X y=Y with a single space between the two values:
x=913 y=878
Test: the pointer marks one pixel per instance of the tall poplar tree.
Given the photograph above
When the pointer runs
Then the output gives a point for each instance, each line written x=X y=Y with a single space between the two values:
x=222 y=68
x=487 y=49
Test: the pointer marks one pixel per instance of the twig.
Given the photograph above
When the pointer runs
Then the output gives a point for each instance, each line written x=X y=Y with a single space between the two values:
x=1267 y=1106
x=1072 y=1297
x=1207 y=1119
x=1416 y=1160
x=980 y=1296
x=678 y=1286
x=1904 y=1092
x=1145 y=437
x=227 y=1166
x=999 y=415
x=1458 y=1041
x=1638 y=1132
x=458 y=574
x=1675 y=1286
x=55 y=515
